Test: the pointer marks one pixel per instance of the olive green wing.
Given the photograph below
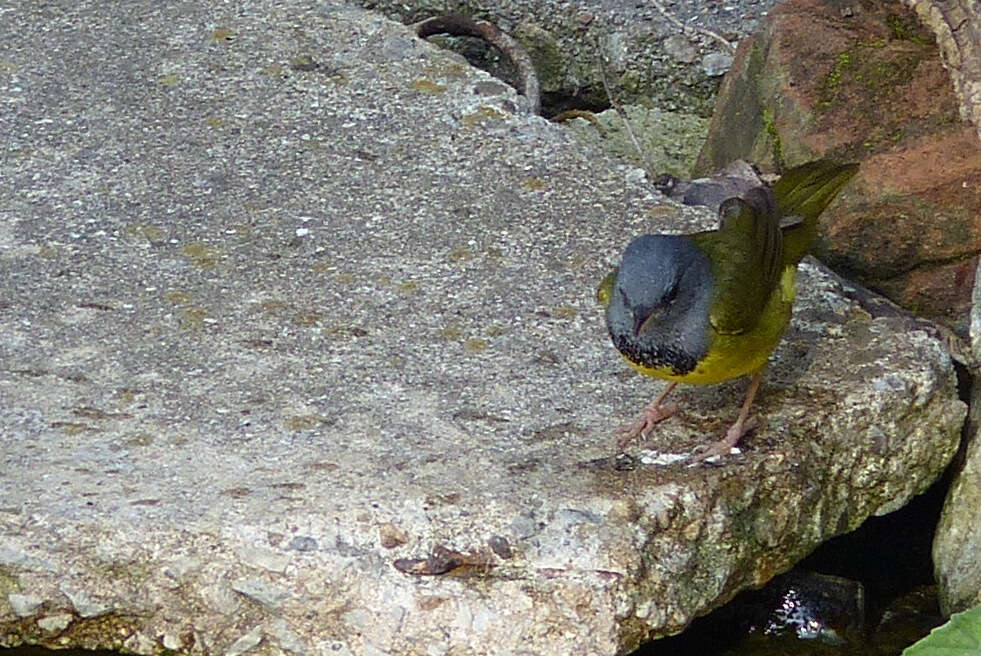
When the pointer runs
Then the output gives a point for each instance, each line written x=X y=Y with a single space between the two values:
x=747 y=260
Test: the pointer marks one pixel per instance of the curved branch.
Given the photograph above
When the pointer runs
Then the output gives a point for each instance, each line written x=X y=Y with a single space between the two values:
x=456 y=25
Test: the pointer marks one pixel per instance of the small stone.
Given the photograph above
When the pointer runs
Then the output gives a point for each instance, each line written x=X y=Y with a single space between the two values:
x=266 y=559
x=500 y=545
x=55 y=623
x=221 y=598
x=271 y=596
x=624 y=511
x=390 y=536
x=358 y=618
x=171 y=641
x=85 y=605
x=139 y=643
x=176 y=571
x=333 y=648
x=489 y=88
x=303 y=543
x=245 y=643
x=678 y=47
x=286 y=638
x=24 y=605
x=304 y=63
x=716 y=64
x=12 y=557
x=524 y=526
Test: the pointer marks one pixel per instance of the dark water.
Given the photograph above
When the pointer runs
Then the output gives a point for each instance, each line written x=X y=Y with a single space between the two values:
x=889 y=555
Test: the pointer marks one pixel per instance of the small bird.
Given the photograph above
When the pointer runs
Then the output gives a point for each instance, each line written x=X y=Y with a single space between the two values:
x=711 y=306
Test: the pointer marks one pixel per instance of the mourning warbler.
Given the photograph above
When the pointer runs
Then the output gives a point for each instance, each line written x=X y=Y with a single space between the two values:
x=711 y=306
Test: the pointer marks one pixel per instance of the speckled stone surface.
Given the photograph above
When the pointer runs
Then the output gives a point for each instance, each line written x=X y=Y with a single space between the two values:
x=288 y=296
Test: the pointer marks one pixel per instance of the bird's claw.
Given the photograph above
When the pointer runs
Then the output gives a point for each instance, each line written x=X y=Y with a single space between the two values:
x=652 y=416
x=724 y=446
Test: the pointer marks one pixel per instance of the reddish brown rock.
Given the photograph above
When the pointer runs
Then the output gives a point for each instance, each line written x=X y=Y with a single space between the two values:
x=864 y=84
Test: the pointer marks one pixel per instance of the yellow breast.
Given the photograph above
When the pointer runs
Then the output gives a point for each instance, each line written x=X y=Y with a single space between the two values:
x=732 y=356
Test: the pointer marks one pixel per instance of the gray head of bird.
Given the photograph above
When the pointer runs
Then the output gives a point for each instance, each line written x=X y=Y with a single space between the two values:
x=660 y=298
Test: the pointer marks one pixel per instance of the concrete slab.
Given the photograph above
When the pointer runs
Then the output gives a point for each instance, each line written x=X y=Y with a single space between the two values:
x=291 y=300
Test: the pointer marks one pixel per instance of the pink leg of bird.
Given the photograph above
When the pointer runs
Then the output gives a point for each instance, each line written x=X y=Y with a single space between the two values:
x=653 y=414
x=743 y=424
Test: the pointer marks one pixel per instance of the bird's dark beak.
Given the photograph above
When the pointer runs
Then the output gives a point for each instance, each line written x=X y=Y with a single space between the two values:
x=639 y=319
x=644 y=317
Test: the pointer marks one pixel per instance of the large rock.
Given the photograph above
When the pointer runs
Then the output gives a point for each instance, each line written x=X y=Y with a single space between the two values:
x=866 y=86
x=957 y=546
x=957 y=543
x=291 y=300
x=956 y=25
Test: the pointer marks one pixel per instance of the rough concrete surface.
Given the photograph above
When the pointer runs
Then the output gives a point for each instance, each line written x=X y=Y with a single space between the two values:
x=289 y=297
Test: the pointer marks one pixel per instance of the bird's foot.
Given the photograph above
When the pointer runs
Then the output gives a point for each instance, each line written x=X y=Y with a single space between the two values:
x=724 y=446
x=653 y=414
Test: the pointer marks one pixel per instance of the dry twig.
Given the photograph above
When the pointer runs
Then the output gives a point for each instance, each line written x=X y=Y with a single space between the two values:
x=622 y=113
x=685 y=29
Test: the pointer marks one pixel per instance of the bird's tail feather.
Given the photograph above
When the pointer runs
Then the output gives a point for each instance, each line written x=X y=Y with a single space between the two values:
x=805 y=191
